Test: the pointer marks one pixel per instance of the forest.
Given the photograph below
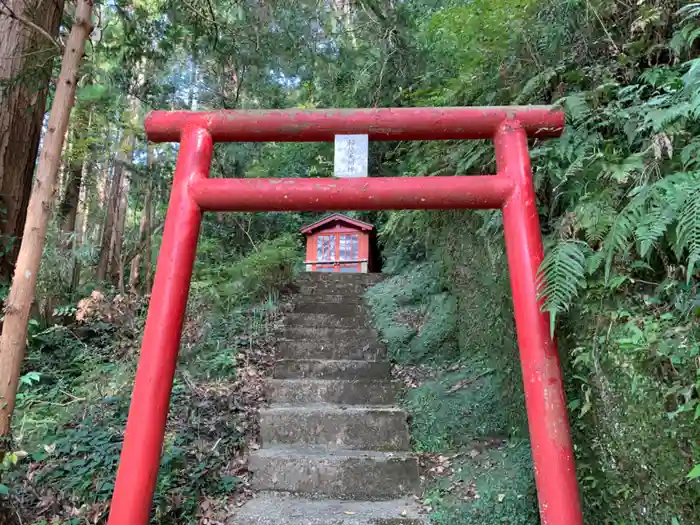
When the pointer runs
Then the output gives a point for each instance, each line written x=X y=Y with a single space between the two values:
x=618 y=196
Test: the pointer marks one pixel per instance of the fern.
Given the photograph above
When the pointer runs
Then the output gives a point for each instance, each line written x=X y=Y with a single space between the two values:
x=632 y=164
x=690 y=155
x=688 y=231
x=653 y=227
x=689 y=11
x=560 y=277
x=666 y=197
x=595 y=217
x=620 y=235
x=576 y=107
x=692 y=76
x=660 y=119
x=538 y=82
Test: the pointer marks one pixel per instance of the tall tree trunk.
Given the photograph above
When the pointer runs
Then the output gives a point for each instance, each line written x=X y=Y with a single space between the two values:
x=110 y=255
x=107 y=246
x=26 y=61
x=144 y=229
x=118 y=233
x=19 y=301
x=192 y=102
x=80 y=230
x=68 y=209
x=148 y=251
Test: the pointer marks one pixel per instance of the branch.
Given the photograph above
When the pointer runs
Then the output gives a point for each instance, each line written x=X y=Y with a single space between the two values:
x=140 y=246
x=20 y=18
x=25 y=55
x=246 y=232
x=605 y=29
x=216 y=26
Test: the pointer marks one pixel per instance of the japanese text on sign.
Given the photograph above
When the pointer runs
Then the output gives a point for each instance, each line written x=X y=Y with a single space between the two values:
x=351 y=156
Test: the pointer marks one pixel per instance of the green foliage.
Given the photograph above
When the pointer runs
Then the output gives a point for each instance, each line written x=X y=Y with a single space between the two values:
x=247 y=280
x=561 y=274
x=444 y=308
x=636 y=366
x=74 y=445
x=617 y=195
x=75 y=390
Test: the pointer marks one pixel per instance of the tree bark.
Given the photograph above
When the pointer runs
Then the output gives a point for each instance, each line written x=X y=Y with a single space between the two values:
x=26 y=61
x=144 y=230
x=68 y=209
x=116 y=264
x=80 y=228
x=148 y=250
x=80 y=159
x=110 y=254
x=19 y=301
x=107 y=246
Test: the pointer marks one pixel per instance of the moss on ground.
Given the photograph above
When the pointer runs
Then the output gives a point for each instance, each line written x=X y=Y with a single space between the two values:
x=493 y=488
x=450 y=312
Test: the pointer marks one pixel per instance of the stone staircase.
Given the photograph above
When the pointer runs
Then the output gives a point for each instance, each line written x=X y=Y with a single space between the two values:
x=335 y=449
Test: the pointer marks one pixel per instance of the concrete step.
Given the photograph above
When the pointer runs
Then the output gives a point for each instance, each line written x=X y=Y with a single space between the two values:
x=350 y=290
x=341 y=392
x=357 y=427
x=353 y=285
x=327 y=348
x=327 y=369
x=325 y=320
x=341 y=474
x=340 y=308
x=313 y=298
x=343 y=278
x=301 y=342
x=286 y=509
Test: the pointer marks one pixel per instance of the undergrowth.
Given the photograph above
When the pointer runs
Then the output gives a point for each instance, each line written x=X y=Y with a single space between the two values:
x=443 y=308
x=76 y=386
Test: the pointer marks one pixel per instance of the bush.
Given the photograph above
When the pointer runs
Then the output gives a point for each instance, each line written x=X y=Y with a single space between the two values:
x=72 y=407
x=448 y=307
x=633 y=397
x=249 y=279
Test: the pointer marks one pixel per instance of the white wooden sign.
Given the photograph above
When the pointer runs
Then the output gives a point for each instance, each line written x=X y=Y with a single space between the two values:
x=351 y=152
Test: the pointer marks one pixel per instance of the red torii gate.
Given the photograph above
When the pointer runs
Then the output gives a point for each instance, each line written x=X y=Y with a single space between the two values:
x=193 y=193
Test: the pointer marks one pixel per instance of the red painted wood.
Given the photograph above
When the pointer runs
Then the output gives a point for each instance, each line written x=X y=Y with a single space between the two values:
x=373 y=193
x=336 y=225
x=335 y=217
x=143 y=439
x=550 y=437
x=321 y=125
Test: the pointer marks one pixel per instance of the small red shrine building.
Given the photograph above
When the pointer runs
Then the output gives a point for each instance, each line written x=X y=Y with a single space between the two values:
x=339 y=244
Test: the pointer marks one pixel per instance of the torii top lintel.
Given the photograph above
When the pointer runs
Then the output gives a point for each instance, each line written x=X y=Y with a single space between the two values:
x=321 y=125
